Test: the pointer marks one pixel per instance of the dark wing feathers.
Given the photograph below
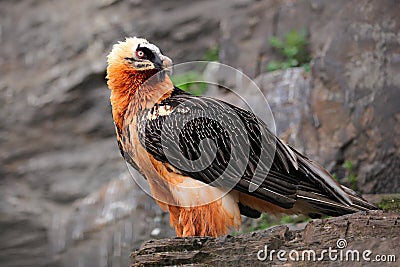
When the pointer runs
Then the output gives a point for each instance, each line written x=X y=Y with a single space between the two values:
x=284 y=175
x=156 y=135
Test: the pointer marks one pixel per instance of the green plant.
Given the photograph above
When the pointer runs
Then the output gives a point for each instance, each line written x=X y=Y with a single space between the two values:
x=390 y=203
x=287 y=219
x=189 y=82
x=293 y=219
x=351 y=176
x=212 y=54
x=263 y=223
x=293 y=50
x=266 y=221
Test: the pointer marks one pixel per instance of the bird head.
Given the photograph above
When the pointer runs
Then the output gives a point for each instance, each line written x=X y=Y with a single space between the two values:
x=131 y=64
x=137 y=55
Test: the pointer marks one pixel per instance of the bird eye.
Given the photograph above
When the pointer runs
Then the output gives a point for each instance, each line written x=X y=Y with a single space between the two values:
x=140 y=54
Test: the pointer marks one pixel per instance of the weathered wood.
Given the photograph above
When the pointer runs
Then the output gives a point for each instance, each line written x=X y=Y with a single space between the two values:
x=377 y=231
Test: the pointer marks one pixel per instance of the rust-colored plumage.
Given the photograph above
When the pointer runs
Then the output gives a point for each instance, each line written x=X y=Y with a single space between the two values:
x=146 y=108
x=125 y=81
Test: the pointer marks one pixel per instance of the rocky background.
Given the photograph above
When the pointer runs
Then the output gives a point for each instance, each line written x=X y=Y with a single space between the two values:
x=66 y=196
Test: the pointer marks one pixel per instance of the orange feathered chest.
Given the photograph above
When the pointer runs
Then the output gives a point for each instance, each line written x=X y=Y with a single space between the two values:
x=181 y=195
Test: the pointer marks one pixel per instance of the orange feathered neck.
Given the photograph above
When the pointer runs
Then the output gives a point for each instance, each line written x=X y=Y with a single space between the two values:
x=124 y=84
x=128 y=85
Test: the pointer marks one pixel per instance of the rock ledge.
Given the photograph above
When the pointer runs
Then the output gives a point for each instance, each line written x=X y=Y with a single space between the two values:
x=377 y=231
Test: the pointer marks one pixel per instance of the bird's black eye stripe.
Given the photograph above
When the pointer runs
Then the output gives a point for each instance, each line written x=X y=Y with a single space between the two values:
x=130 y=59
x=147 y=52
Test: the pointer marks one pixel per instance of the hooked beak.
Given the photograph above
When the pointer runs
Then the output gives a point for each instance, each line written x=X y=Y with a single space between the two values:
x=163 y=63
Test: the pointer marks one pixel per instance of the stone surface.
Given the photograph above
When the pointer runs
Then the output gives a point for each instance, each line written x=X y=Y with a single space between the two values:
x=376 y=231
x=363 y=91
x=102 y=228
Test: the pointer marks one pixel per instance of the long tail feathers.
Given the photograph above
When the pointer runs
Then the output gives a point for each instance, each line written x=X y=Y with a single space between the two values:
x=333 y=200
x=317 y=205
x=358 y=201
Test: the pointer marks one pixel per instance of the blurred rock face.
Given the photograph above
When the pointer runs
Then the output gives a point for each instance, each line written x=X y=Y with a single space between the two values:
x=59 y=156
x=351 y=112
